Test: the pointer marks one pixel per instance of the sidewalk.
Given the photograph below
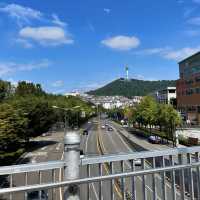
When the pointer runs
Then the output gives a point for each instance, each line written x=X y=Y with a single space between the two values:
x=140 y=143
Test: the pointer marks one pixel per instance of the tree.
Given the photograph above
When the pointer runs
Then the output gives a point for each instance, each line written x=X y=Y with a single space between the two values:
x=13 y=126
x=173 y=119
x=129 y=113
x=24 y=88
x=146 y=111
x=5 y=89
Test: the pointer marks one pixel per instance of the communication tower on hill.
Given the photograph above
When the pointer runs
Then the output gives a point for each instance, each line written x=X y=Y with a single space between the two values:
x=127 y=73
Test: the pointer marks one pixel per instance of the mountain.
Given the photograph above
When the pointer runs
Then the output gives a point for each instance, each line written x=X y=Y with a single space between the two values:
x=132 y=87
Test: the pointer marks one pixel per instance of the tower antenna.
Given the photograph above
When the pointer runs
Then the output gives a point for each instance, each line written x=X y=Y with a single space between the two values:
x=127 y=72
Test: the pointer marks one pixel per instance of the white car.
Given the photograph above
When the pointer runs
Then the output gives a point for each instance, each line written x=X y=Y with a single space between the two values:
x=103 y=127
x=137 y=162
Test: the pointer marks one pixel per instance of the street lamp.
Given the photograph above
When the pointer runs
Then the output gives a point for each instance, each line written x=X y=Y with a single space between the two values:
x=66 y=110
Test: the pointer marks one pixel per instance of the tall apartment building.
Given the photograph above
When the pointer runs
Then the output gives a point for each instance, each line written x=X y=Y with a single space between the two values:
x=188 y=88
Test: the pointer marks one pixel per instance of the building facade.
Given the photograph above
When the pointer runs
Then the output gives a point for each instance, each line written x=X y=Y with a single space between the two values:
x=188 y=88
x=166 y=96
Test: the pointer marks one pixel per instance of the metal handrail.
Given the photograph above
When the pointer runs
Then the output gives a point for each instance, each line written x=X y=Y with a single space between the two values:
x=97 y=178
x=137 y=155
x=14 y=169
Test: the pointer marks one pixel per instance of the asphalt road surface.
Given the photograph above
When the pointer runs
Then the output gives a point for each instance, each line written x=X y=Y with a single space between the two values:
x=98 y=141
x=101 y=141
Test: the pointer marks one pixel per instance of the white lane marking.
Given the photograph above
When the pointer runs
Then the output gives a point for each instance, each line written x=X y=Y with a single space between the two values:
x=33 y=160
x=58 y=146
x=43 y=148
x=86 y=147
x=86 y=142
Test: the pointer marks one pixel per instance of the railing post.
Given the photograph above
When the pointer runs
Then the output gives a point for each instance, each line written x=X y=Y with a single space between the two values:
x=72 y=162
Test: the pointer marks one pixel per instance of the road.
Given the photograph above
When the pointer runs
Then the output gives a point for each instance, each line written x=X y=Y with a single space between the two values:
x=99 y=141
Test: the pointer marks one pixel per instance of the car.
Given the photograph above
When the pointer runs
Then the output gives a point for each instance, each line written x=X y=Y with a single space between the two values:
x=35 y=195
x=85 y=132
x=89 y=122
x=154 y=139
x=103 y=127
x=110 y=129
x=137 y=162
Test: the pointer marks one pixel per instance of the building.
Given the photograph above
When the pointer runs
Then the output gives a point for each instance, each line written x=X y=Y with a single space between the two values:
x=111 y=102
x=166 y=96
x=74 y=94
x=188 y=88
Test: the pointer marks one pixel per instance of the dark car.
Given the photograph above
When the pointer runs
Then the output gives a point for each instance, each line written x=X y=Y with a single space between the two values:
x=85 y=132
x=110 y=129
x=154 y=139
x=35 y=195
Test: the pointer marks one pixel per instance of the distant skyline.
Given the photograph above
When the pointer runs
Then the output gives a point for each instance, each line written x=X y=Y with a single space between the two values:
x=81 y=45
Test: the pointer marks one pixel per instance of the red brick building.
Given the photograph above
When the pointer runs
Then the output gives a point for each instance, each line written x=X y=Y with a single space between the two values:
x=188 y=88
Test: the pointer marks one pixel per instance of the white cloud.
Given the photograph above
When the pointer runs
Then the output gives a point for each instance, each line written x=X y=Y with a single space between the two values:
x=107 y=10
x=20 y=13
x=121 y=42
x=46 y=35
x=152 y=51
x=170 y=53
x=180 y=54
x=56 y=20
x=194 y=21
x=58 y=83
x=7 y=68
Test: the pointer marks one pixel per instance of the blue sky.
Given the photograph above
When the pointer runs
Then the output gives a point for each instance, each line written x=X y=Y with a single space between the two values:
x=80 y=45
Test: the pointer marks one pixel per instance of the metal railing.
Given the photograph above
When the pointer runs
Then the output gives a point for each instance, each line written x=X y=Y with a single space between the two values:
x=158 y=175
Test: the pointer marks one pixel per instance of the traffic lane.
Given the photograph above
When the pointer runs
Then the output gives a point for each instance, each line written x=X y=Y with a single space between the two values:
x=90 y=147
x=149 y=178
x=119 y=146
x=89 y=126
x=112 y=145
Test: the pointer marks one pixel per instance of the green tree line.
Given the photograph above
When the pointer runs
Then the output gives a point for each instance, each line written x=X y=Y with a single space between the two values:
x=150 y=114
x=26 y=111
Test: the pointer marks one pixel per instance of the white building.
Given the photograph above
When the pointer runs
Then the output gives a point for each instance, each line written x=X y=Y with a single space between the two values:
x=74 y=94
x=166 y=95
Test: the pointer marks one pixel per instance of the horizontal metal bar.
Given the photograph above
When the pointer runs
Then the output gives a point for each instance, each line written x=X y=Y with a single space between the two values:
x=96 y=179
x=137 y=155
x=15 y=169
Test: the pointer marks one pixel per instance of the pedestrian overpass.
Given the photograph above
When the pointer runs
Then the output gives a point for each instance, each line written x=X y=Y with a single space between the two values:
x=157 y=175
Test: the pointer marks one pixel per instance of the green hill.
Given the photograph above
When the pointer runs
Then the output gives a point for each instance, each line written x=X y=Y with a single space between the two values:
x=132 y=87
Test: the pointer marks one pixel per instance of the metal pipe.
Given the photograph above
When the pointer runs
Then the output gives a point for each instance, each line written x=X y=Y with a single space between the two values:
x=173 y=178
x=96 y=179
x=182 y=178
x=144 y=180
x=72 y=162
x=100 y=183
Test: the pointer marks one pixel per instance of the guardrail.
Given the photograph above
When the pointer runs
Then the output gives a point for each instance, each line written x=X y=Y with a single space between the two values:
x=167 y=174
